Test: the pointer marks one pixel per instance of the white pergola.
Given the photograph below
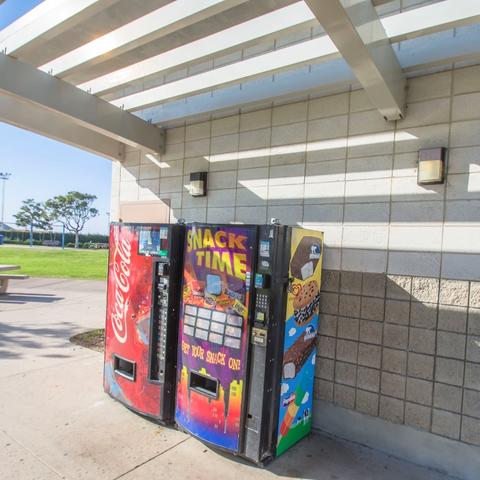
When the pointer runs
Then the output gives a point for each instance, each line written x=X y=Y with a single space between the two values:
x=102 y=74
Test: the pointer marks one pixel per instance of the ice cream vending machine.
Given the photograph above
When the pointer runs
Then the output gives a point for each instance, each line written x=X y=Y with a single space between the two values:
x=144 y=274
x=247 y=336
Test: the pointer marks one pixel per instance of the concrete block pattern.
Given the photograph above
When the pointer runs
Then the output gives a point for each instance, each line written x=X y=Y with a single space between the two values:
x=451 y=345
x=474 y=321
x=466 y=79
x=345 y=373
x=425 y=289
x=326 y=346
x=372 y=308
x=418 y=416
x=374 y=285
x=344 y=396
x=369 y=355
x=371 y=332
x=420 y=366
x=399 y=287
x=446 y=424
x=347 y=351
x=325 y=369
x=470 y=430
x=422 y=340
x=430 y=86
x=367 y=402
x=329 y=303
x=393 y=385
x=392 y=409
x=474 y=294
x=423 y=315
x=351 y=282
x=447 y=397
x=328 y=325
x=472 y=375
x=449 y=371
x=397 y=311
x=452 y=319
x=368 y=379
x=328 y=106
x=348 y=328
x=349 y=305
x=471 y=403
x=395 y=336
x=394 y=361
x=419 y=391
x=454 y=292
x=330 y=280
x=323 y=390
x=473 y=348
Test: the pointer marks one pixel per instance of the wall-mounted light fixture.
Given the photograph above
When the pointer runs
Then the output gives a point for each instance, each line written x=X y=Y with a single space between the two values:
x=198 y=184
x=431 y=166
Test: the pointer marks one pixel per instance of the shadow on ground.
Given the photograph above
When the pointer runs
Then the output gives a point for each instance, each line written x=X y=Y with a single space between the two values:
x=23 y=298
x=16 y=341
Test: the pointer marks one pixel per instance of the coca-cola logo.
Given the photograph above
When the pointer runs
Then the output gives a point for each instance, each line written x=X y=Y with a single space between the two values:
x=121 y=274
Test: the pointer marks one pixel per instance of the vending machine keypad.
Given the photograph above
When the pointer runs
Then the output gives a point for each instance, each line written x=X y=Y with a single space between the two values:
x=261 y=301
x=162 y=291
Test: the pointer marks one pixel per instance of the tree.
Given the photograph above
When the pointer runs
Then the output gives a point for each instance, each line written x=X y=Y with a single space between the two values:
x=72 y=210
x=33 y=214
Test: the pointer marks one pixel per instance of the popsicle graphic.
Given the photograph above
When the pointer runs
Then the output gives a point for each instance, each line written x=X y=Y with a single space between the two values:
x=293 y=408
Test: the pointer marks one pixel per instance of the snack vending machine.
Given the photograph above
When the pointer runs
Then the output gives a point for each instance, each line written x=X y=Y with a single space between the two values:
x=247 y=336
x=144 y=274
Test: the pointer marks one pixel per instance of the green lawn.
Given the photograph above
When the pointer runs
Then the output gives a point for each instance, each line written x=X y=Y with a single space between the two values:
x=52 y=262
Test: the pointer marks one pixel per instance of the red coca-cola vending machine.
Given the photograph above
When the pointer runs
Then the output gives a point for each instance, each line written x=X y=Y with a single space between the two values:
x=145 y=263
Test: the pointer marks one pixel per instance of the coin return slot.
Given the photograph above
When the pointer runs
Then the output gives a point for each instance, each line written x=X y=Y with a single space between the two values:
x=205 y=385
x=125 y=368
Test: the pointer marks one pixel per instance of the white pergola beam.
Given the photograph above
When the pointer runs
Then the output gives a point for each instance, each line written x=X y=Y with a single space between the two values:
x=47 y=20
x=432 y=18
x=278 y=60
x=39 y=120
x=356 y=30
x=320 y=49
x=152 y=26
x=26 y=83
x=403 y=26
x=297 y=15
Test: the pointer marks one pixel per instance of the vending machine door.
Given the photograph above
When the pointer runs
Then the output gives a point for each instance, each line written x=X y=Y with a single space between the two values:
x=214 y=332
x=300 y=334
x=133 y=372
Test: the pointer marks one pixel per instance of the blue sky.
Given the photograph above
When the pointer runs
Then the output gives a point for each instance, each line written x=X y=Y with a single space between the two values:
x=42 y=168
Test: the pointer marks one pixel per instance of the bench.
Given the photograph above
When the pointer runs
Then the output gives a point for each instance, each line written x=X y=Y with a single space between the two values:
x=4 y=278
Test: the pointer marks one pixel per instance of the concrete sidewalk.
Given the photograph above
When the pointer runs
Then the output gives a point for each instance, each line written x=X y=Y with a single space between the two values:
x=56 y=422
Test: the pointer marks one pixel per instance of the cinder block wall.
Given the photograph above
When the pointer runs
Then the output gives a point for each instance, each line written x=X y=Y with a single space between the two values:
x=400 y=309
x=403 y=348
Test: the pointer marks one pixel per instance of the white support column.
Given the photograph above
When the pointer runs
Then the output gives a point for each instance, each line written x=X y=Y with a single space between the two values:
x=64 y=101
x=356 y=30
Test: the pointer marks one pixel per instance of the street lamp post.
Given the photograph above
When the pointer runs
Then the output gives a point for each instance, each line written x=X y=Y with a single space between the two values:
x=4 y=176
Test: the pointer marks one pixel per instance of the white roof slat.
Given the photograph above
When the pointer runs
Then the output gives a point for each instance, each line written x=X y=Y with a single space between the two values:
x=310 y=51
x=48 y=15
x=292 y=16
x=173 y=16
